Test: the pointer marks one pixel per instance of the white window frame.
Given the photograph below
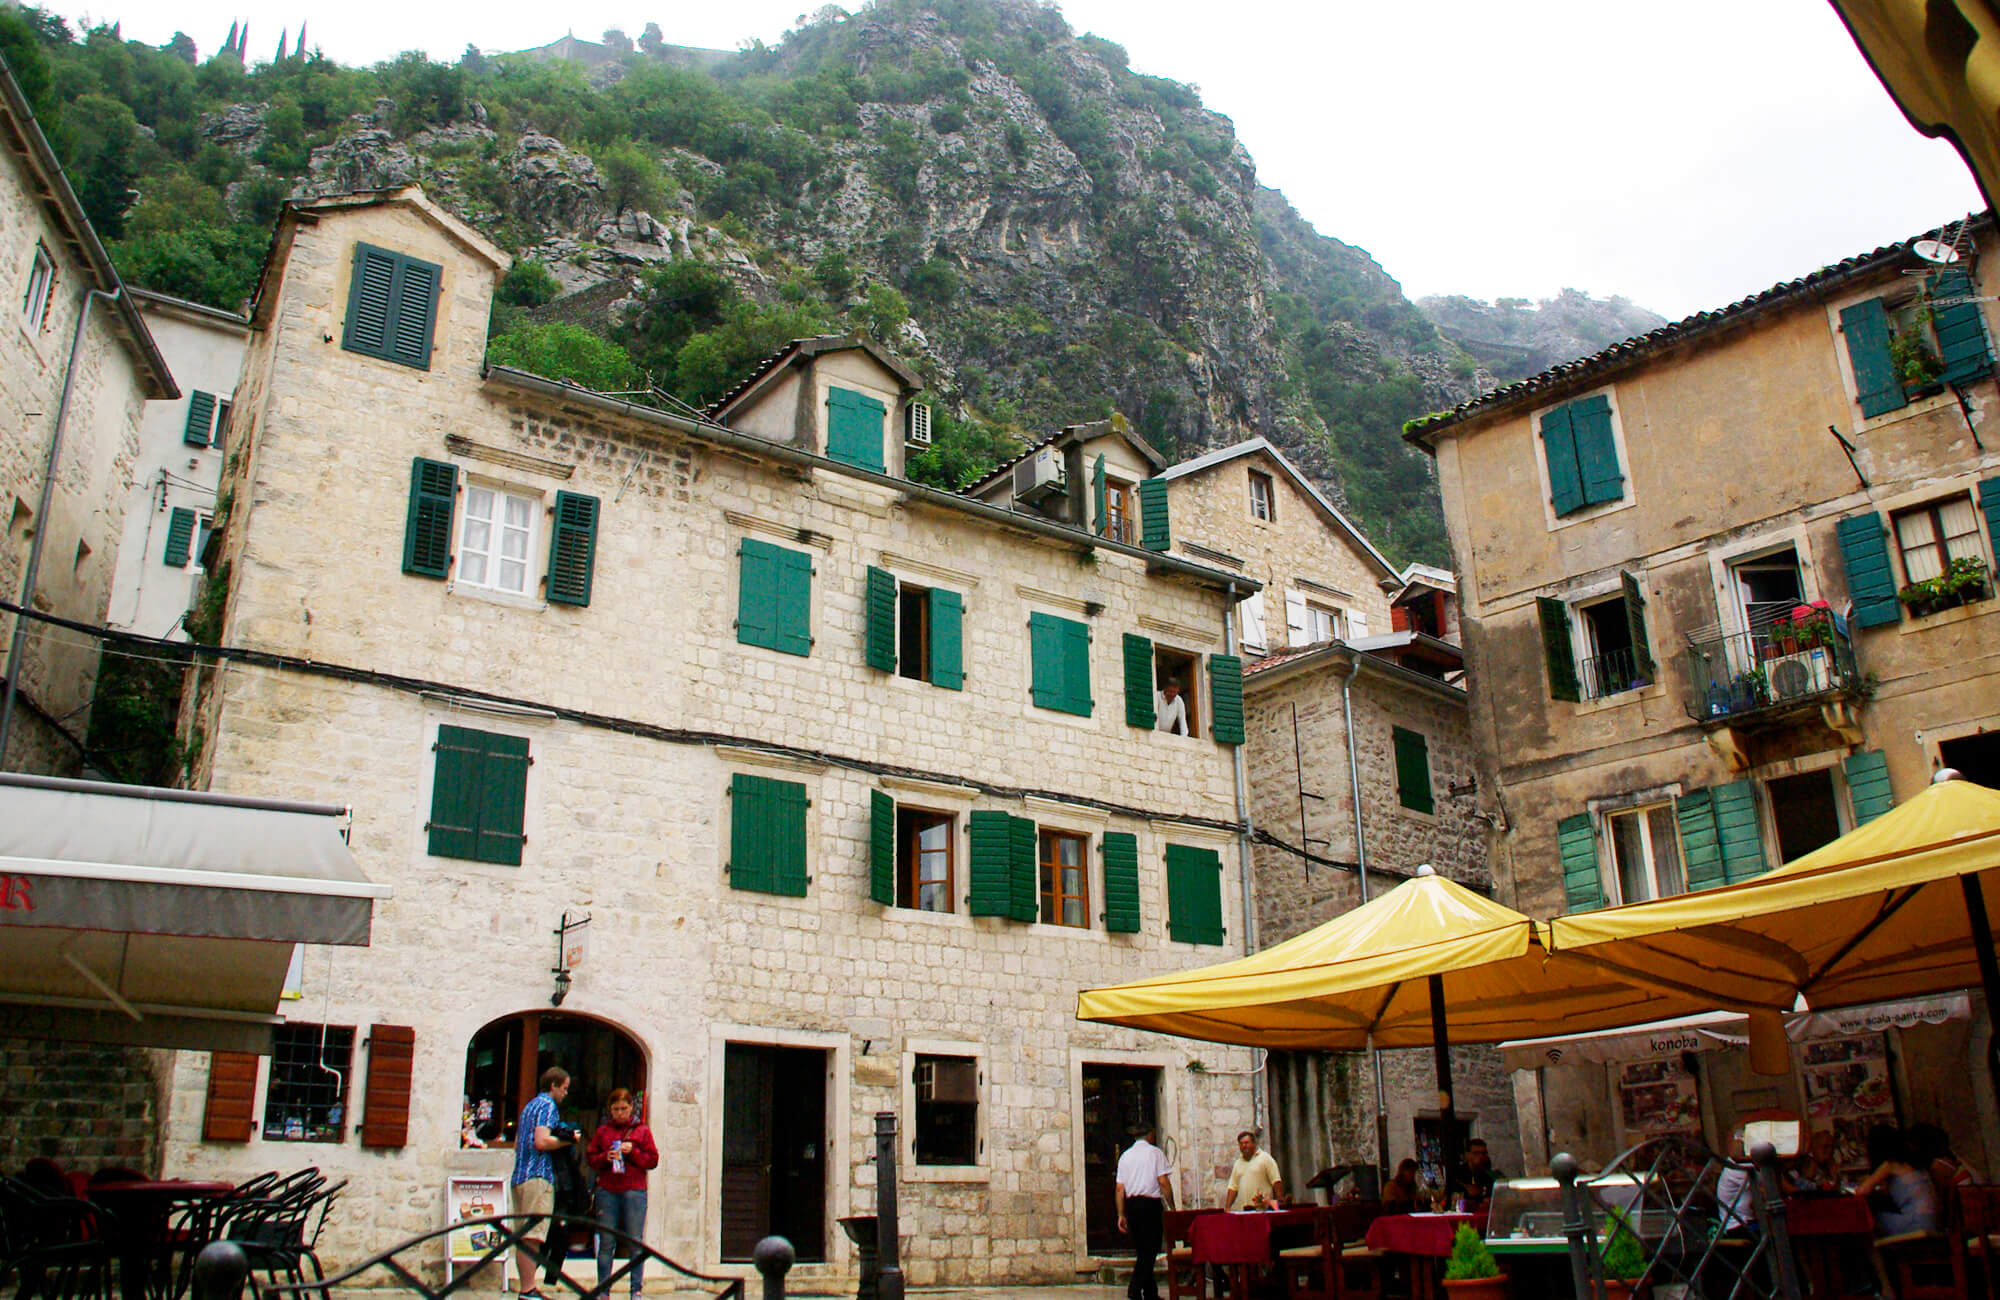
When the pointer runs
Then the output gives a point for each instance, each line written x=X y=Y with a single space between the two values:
x=1832 y=762
x=501 y=494
x=1264 y=504
x=1322 y=621
x=41 y=289
x=981 y=1170
x=1608 y=874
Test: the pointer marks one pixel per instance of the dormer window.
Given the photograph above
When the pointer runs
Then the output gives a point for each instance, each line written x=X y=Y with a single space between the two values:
x=1263 y=501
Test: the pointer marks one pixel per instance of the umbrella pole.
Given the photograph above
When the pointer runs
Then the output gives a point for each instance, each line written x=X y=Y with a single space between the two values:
x=1381 y=1113
x=1447 y=1111
x=1989 y=968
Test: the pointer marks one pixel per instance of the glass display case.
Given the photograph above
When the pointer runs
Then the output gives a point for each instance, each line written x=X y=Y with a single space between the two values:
x=1526 y=1214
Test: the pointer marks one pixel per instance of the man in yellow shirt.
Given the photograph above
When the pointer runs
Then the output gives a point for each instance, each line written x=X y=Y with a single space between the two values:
x=1254 y=1181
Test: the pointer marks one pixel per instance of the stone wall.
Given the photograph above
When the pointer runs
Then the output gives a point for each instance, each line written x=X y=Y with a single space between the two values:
x=80 y=1104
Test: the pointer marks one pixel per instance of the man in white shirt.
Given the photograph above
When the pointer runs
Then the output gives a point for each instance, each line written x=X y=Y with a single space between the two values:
x=1170 y=709
x=1254 y=1182
x=1145 y=1193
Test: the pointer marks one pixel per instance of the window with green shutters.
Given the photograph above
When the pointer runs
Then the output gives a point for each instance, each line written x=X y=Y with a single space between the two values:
x=1576 y=846
x=199 y=431
x=1121 y=881
x=1721 y=839
x=1878 y=385
x=479 y=796
x=1194 y=895
x=392 y=306
x=1139 y=710
x=914 y=632
x=1225 y=702
x=1060 y=651
x=1155 y=530
x=1909 y=345
x=572 y=549
x=854 y=424
x=1961 y=331
x=774 y=598
x=1558 y=651
x=1580 y=449
x=1868 y=785
x=1413 y=769
x=1002 y=868
x=767 y=835
x=180 y=538
x=1871 y=580
x=427 y=526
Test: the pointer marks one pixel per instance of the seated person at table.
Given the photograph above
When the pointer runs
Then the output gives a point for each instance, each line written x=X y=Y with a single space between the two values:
x=1254 y=1181
x=1816 y=1170
x=1930 y=1149
x=1473 y=1176
x=1404 y=1194
x=1903 y=1196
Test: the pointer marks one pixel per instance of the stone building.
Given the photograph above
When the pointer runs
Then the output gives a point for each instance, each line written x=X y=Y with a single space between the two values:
x=850 y=777
x=1728 y=592
x=80 y=367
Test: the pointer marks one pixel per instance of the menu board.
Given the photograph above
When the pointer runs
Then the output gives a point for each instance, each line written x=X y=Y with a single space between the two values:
x=475 y=1198
x=1847 y=1092
x=1658 y=1098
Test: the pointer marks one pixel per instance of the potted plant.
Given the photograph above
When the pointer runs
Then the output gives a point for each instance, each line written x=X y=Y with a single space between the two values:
x=1624 y=1260
x=1472 y=1273
x=1917 y=366
x=1964 y=580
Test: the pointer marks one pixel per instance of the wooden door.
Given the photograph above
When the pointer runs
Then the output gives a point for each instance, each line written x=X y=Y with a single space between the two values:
x=773 y=1149
x=746 y=1149
x=1116 y=1099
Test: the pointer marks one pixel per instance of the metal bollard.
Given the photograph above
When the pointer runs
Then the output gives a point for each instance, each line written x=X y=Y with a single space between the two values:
x=1576 y=1227
x=1772 y=1188
x=888 y=1241
x=220 y=1271
x=774 y=1257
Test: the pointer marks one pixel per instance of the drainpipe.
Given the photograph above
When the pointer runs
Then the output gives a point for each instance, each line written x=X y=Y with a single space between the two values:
x=1259 y=1099
x=1361 y=872
x=28 y=577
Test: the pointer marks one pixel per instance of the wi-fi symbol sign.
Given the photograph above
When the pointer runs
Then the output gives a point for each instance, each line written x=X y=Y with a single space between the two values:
x=1555 y=1055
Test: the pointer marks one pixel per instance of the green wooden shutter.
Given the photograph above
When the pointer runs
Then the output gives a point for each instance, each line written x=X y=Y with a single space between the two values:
x=774 y=598
x=767 y=835
x=1865 y=326
x=1139 y=710
x=1413 y=770
x=795 y=575
x=371 y=297
x=1155 y=532
x=180 y=536
x=1989 y=505
x=1736 y=831
x=881 y=848
x=201 y=415
x=947 y=639
x=1576 y=844
x=1643 y=666
x=1556 y=651
x=1871 y=582
x=854 y=423
x=880 y=620
x=1868 y=785
x=1121 y=882
x=572 y=549
x=1194 y=895
x=1961 y=334
x=1701 y=852
x=1023 y=871
x=1099 y=491
x=457 y=782
x=991 y=873
x=416 y=312
x=1225 y=699
x=1559 y=454
x=1596 y=450
x=427 y=525
x=503 y=800
x=1060 y=648
x=1076 y=668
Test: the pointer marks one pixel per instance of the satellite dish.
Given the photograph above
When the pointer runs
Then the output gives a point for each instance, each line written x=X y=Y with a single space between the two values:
x=1935 y=250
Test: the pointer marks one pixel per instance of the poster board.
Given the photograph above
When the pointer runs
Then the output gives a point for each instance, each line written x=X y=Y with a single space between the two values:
x=1847 y=1092
x=1656 y=1097
x=468 y=1197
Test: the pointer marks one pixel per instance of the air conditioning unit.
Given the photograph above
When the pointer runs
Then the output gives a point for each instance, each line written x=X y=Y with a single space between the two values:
x=918 y=431
x=1038 y=475
x=1794 y=676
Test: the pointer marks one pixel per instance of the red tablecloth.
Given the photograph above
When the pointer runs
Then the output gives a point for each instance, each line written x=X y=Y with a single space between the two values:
x=1419 y=1234
x=1240 y=1236
x=1828 y=1216
x=165 y=1187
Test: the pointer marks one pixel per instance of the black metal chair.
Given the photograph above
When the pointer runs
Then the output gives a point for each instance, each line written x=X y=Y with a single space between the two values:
x=56 y=1247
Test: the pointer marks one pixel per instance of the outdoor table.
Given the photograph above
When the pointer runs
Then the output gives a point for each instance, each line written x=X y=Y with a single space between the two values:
x=141 y=1208
x=1818 y=1222
x=1425 y=1238
x=1241 y=1239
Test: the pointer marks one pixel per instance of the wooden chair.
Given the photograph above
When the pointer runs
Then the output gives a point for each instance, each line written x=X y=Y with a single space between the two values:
x=1184 y=1276
x=1313 y=1272
x=1978 y=1227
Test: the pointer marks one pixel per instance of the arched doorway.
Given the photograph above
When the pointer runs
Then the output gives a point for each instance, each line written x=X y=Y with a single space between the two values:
x=506 y=1058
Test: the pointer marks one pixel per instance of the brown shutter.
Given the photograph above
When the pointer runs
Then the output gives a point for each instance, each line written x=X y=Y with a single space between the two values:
x=232 y=1097
x=385 y=1110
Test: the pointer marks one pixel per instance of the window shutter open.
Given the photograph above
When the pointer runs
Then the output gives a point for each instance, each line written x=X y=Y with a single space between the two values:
x=1139 y=710
x=881 y=848
x=1877 y=386
x=1868 y=785
x=1194 y=895
x=1961 y=334
x=201 y=415
x=1871 y=582
x=572 y=549
x=1559 y=454
x=1556 y=651
x=180 y=536
x=991 y=862
x=1225 y=699
x=1576 y=844
x=1121 y=882
x=370 y=301
x=879 y=618
x=1154 y=533
x=385 y=1109
x=230 y=1112
x=767 y=835
x=1596 y=450
x=1296 y=623
x=854 y=423
x=1701 y=853
x=427 y=526
x=1736 y=834
x=1023 y=872
x=1099 y=491
x=1989 y=505
x=1635 y=622
x=947 y=639
x=1413 y=770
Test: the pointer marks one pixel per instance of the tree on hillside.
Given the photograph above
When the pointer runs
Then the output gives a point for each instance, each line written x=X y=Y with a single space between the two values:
x=631 y=178
x=652 y=40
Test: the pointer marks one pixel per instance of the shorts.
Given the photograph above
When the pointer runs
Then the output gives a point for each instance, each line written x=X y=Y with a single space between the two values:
x=536 y=1196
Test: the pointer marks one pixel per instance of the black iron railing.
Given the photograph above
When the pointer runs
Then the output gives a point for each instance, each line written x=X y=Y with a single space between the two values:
x=1778 y=665
x=1610 y=673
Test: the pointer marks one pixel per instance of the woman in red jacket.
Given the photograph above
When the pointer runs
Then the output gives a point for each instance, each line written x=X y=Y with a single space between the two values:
x=621 y=1153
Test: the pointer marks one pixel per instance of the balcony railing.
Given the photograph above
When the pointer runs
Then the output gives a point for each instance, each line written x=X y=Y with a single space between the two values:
x=1610 y=673
x=1774 y=667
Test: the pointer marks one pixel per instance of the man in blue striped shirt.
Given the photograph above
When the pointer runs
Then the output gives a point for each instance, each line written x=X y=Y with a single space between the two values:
x=535 y=1138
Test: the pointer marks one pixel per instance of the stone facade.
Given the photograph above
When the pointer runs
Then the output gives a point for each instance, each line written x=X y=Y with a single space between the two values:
x=83 y=1105
x=638 y=711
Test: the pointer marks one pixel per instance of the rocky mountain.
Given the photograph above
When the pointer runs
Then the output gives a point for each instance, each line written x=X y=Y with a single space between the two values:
x=1513 y=338
x=1046 y=234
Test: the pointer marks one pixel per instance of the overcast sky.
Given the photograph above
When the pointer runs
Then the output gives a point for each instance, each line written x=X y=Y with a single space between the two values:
x=1680 y=155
